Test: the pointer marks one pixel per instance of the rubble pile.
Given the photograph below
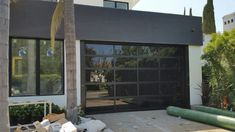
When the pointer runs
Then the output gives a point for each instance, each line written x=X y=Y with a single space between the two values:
x=58 y=123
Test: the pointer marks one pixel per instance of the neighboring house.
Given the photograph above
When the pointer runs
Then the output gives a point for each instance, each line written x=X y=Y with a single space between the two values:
x=229 y=22
x=126 y=60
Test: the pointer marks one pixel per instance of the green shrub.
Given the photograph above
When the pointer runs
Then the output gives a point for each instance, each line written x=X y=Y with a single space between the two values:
x=219 y=56
x=81 y=111
x=26 y=114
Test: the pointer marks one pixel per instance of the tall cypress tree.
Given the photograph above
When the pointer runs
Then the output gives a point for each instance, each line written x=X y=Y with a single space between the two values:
x=190 y=12
x=208 y=26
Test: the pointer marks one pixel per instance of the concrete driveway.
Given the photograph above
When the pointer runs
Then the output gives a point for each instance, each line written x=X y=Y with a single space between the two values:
x=152 y=121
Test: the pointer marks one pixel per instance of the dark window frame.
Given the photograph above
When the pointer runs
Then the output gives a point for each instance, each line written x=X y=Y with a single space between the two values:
x=37 y=77
x=116 y=2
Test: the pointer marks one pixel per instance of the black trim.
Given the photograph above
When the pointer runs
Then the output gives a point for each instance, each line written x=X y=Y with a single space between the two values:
x=37 y=67
x=37 y=40
x=83 y=76
x=10 y=64
x=187 y=76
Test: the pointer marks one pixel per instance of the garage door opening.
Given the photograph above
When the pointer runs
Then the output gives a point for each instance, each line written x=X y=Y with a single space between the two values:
x=125 y=77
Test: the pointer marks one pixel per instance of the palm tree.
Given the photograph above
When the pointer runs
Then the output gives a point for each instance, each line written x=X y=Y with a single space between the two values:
x=4 y=45
x=66 y=8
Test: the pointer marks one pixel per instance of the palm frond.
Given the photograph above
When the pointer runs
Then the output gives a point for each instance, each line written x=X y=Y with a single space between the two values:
x=56 y=21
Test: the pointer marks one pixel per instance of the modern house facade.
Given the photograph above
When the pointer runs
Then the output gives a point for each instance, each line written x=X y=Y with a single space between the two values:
x=229 y=22
x=126 y=60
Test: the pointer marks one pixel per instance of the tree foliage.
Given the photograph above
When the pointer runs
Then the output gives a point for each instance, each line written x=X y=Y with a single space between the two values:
x=56 y=21
x=219 y=56
x=208 y=26
x=190 y=12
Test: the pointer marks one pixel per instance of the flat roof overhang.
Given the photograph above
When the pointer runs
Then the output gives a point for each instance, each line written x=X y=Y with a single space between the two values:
x=31 y=19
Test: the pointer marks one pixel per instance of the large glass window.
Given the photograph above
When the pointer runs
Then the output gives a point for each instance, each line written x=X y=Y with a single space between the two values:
x=36 y=68
x=133 y=76
x=51 y=66
x=23 y=69
x=116 y=4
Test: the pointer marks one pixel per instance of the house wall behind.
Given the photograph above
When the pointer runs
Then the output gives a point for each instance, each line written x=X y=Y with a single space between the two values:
x=230 y=22
x=195 y=74
x=194 y=63
x=89 y=2
x=132 y=3
x=100 y=3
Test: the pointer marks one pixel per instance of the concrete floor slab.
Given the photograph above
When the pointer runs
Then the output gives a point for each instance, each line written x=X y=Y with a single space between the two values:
x=152 y=121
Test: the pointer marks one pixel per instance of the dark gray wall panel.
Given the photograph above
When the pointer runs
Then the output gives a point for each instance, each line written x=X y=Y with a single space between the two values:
x=31 y=18
x=136 y=26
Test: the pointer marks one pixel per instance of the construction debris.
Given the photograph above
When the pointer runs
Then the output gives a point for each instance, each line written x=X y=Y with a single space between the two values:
x=92 y=126
x=58 y=123
x=22 y=129
x=56 y=127
x=54 y=117
x=45 y=123
x=68 y=127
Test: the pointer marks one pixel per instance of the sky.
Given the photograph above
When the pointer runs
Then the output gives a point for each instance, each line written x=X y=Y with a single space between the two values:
x=221 y=8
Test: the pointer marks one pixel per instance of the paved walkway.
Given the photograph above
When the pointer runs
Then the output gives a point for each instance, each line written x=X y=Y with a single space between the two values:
x=152 y=121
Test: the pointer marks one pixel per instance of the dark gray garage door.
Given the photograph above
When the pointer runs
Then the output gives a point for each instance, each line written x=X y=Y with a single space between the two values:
x=123 y=77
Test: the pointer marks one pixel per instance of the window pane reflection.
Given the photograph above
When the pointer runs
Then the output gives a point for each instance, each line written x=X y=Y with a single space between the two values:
x=99 y=62
x=169 y=63
x=148 y=51
x=109 y=4
x=98 y=91
x=169 y=75
x=122 y=5
x=95 y=49
x=51 y=67
x=126 y=50
x=124 y=62
x=126 y=75
x=126 y=90
x=148 y=75
x=149 y=62
x=149 y=89
x=169 y=88
x=23 y=78
x=127 y=103
x=169 y=51
x=99 y=102
x=116 y=4
x=99 y=76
